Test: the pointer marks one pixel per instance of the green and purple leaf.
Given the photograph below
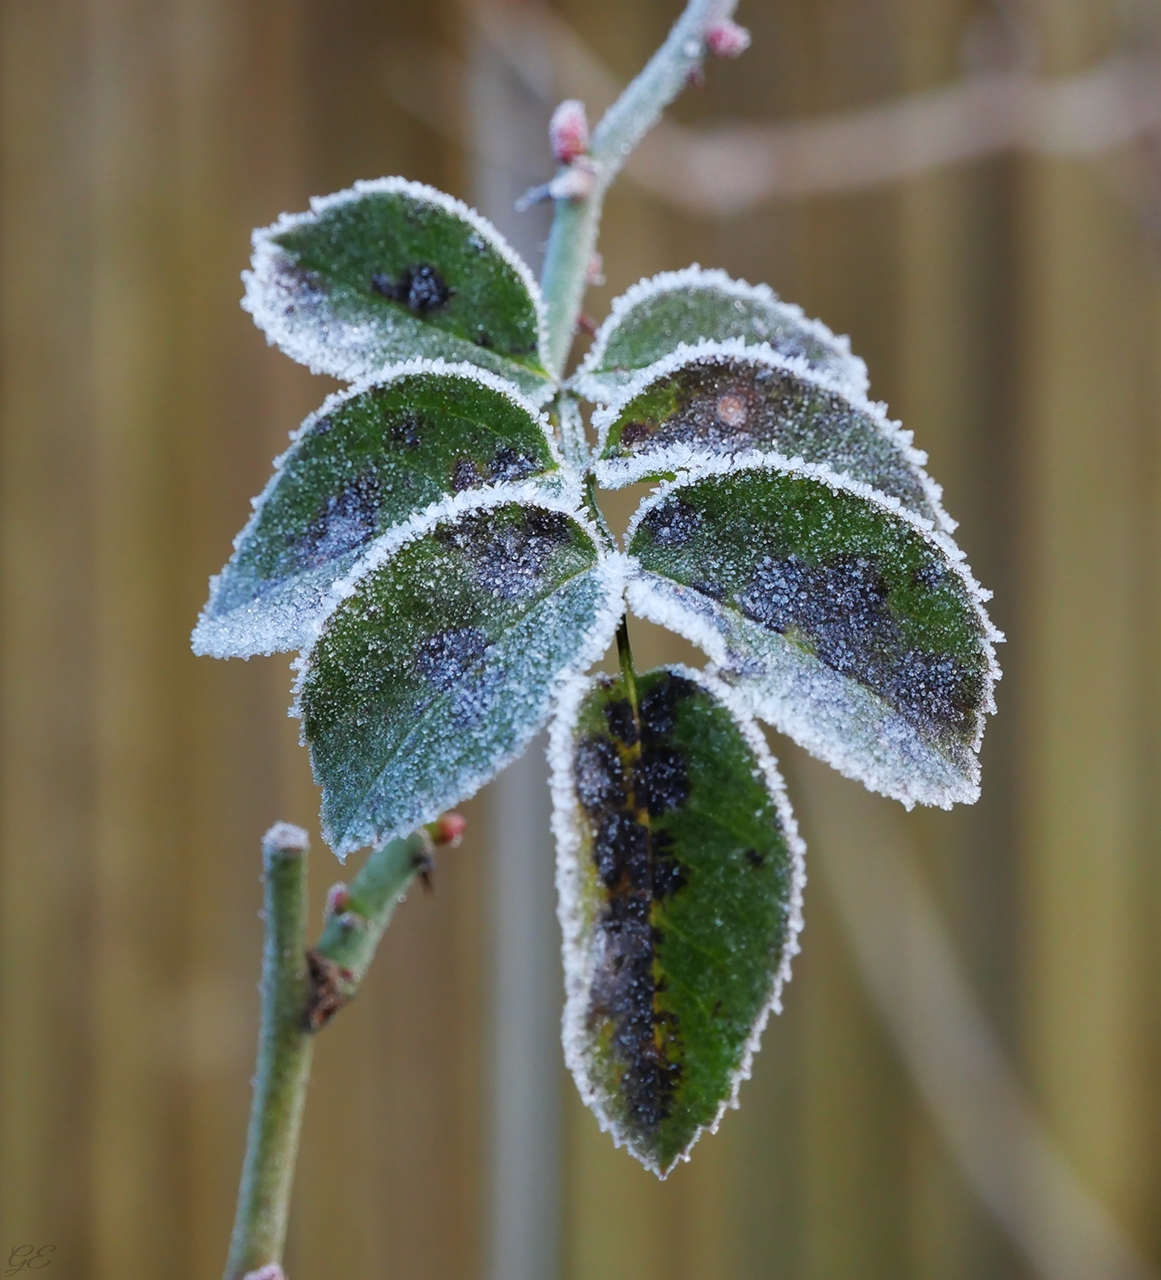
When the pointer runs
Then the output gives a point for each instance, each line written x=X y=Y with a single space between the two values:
x=368 y=461
x=391 y=270
x=443 y=660
x=656 y=316
x=845 y=621
x=680 y=875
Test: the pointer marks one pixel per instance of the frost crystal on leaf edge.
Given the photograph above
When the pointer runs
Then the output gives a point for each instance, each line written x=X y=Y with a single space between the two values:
x=586 y=379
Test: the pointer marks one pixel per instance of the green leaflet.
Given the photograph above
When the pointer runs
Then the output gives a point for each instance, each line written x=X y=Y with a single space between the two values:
x=656 y=316
x=846 y=624
x=390 y=270
x=367 y=461
x=728 y=400
x=441 y=665
x=680 y=874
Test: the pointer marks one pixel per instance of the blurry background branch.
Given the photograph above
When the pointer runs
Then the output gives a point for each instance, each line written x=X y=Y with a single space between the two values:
x=1001 y=104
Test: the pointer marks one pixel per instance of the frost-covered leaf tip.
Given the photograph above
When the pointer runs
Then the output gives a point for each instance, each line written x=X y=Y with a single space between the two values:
x=680 y=875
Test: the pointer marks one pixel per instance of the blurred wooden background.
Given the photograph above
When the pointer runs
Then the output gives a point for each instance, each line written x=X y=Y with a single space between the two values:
x=1008 y=310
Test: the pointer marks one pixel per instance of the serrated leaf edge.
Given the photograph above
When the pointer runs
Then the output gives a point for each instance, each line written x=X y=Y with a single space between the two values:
x=385 y=377
x=839 y=483
x=266 y=254
x=618 y=472
x=570 y=912
x=583 y=380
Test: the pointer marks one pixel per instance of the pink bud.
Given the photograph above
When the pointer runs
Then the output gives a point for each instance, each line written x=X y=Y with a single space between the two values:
x=338 y=899
x=568 y=131
x=726 y=39
x=271 y=1271
x=448 y=829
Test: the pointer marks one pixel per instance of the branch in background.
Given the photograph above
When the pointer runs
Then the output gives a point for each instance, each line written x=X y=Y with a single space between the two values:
x=727 y=169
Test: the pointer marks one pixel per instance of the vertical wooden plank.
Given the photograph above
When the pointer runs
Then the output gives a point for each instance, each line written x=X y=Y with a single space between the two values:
x=1089 y=299
x=46 y=522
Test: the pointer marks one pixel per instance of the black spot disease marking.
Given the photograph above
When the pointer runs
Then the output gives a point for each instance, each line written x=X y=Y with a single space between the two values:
x=624 y=779
x=344 y=522
x=420 y=288
x=465 y=475
x=445 y=658
x=672 y=522
x=842 y=607
x=407 y=431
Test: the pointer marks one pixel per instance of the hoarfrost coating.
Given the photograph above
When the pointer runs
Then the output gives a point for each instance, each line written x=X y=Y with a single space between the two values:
x=418 y=689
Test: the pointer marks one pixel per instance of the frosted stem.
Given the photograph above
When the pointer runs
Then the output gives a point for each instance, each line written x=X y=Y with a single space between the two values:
x=301 y=991
x=285 y=1047
x=573 y=237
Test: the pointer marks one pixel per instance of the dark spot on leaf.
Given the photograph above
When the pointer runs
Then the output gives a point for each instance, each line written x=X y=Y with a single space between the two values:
x=634 y=432
x=842 y=608
x=465 y=475
x=445 y=658
x=661 y=780
x=407 y=431
x=755 y=858
x=483 y=338
x=659 y=704
x=509 y=464
x=552 y=527
x=599 y=775
x=323 y=425
x=621 y=721
x=420 y=288
x=620 y=779
x=672 y=522
x=345 y=521
x=508 y=557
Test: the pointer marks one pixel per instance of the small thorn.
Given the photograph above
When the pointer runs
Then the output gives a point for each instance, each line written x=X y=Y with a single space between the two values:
x=586 y=324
